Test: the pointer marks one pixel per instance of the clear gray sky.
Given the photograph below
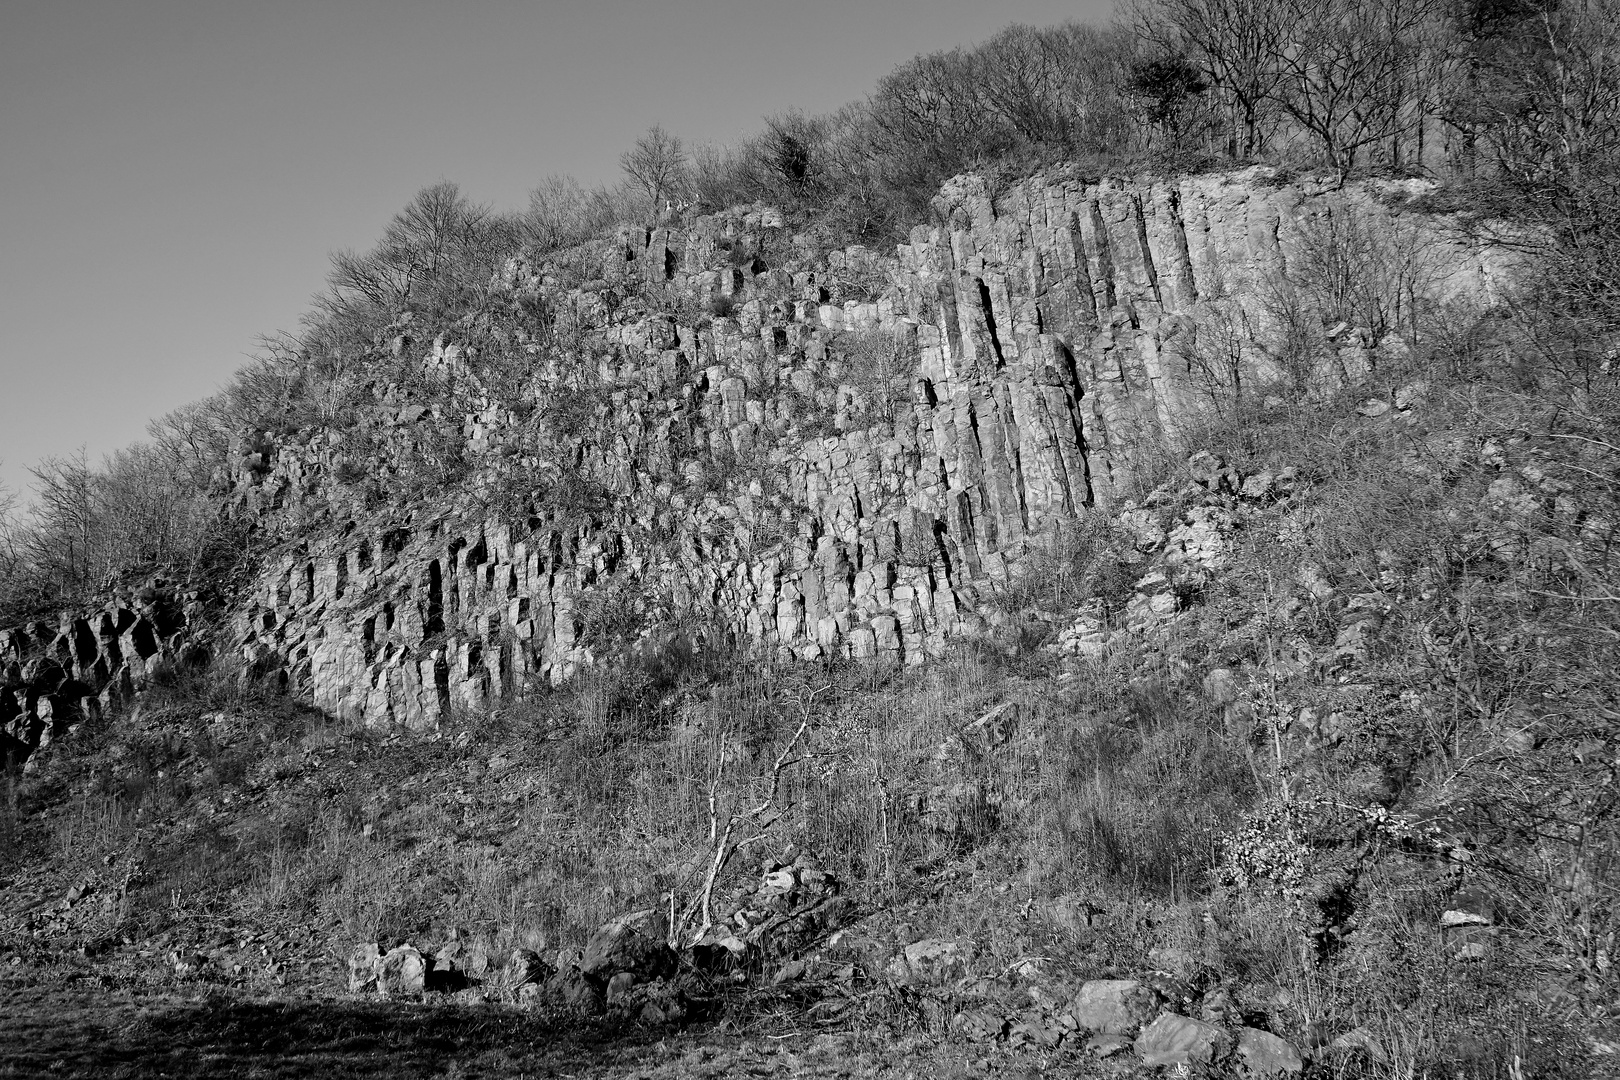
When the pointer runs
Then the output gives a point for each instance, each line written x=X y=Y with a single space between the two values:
x=174 y=173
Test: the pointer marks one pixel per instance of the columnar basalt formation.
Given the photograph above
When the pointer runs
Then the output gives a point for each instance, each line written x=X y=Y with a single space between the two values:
x=832 y=456
x=54 y=674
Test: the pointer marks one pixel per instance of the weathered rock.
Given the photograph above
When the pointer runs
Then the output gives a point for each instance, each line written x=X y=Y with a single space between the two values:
x=1181 y=1040
x=933 y=962
x=619 y=987
x=573 y=990
x=525 y=966
x=364 y=964
x=635 y=943
x=1113 y=1006
x=1261 y=1055
x=402 y=970
x=1047 y=329
x=1471 y=906
x=1359 y=1041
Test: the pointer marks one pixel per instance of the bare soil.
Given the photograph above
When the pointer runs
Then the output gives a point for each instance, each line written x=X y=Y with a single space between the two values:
x=61 y=1023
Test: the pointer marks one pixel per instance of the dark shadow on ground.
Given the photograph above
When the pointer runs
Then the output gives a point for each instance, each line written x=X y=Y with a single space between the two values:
x=70 y=1035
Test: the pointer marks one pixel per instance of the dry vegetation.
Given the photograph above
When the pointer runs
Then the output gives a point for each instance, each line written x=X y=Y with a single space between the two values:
x=1418 y=638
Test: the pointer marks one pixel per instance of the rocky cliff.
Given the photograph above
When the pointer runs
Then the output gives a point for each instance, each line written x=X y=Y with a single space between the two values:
x=830 y=452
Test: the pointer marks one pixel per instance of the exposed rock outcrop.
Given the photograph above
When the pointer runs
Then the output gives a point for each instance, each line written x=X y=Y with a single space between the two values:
x=832 y=457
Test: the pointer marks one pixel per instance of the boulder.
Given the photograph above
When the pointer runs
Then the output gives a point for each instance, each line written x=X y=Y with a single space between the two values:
x=933 y=962
x=1262 y=1055
x=364 y=963
x=1360 y=1041
x=402 y=970
x=1181 y=1041
x=523 y=967
x=1113 y=1006
x=619 y=987
x=573 y=990
x=636 y=943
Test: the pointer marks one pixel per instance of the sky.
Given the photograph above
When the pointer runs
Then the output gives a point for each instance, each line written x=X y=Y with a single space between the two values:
x=174 y=174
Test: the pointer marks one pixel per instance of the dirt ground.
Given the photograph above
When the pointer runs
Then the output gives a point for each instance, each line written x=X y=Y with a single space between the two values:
x=79 y=1029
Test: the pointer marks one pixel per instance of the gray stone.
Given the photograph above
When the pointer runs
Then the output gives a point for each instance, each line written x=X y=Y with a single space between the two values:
x=934 y=962
x=403 y=970
x=1262 y=1054
x=524 y=967
x=1181 y=1040
x=1113 y=1006
x=364 y=963
x=619 y=987
x=635 y=943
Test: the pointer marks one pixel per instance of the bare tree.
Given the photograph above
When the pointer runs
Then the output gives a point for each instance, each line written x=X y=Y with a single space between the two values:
x=1351 y=70
x=1239 y=45
x=61 y=545
x=723 y=823
x=657 y=166
x=1546 y=90
x=437 y=254
x=556 y=212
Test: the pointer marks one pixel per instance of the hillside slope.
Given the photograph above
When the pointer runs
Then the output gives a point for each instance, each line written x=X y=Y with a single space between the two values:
x=1203 y=583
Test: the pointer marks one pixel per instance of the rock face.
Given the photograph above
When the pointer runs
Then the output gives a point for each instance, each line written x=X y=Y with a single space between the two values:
x=834 y=457
x=55 y=674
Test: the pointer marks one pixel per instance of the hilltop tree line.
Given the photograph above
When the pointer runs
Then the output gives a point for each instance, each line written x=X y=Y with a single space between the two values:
x=1513 y=104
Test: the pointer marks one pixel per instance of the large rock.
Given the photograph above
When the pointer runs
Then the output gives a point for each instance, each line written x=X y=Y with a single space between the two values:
x=637 y=943
x=570 y=988
x=933 y=962
x=1264 y=1055
x=524 y=967
x=364 y=963
x=1114 y=1006
x=403 y=970
x=1181 y=1040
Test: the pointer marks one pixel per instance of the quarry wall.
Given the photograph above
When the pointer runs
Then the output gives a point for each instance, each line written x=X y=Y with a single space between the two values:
x=844 y=456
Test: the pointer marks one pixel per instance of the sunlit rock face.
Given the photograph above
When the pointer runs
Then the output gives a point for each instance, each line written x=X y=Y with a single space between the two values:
x=827 y=452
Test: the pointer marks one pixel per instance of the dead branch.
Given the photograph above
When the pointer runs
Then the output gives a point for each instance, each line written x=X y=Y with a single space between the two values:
x=721 y=837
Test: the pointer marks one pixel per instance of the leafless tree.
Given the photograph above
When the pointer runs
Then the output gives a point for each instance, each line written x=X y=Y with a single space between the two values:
x=1351 y=70
x=557 y=208
x=437 y=253
x=657 y=166
x=1238 y=44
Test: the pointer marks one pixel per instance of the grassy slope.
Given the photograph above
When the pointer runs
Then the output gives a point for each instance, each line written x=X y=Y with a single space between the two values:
x=1423 y=698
